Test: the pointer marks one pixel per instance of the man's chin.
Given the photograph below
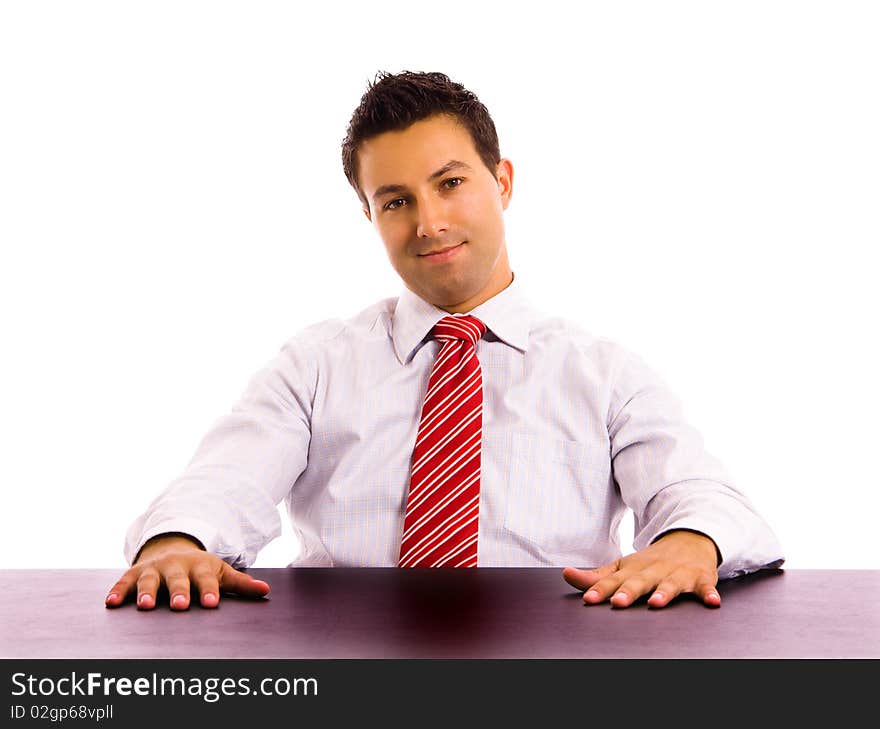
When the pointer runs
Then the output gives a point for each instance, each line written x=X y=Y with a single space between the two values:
x=450 y=299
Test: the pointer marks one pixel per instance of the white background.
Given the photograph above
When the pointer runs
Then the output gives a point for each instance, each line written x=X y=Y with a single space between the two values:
x=696 y=180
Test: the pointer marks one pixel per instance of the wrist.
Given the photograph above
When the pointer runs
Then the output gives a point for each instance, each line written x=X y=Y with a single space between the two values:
x=699 y=540
x=171 y=541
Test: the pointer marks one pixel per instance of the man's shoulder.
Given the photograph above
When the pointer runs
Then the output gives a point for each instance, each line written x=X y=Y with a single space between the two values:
x=372 y=319
x=567 y=332
x=568 y=341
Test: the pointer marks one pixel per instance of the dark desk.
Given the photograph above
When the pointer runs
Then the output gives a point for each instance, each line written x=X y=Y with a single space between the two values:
x=480 y=613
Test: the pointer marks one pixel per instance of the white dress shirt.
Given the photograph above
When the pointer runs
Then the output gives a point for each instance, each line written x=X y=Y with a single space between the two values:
x=575 y=430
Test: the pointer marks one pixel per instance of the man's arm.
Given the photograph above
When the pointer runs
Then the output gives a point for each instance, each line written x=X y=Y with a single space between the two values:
x=692 y=526
x=180 y=564
x=221 y=511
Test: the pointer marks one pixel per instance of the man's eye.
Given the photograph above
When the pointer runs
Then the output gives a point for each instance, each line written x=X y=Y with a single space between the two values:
x=453 y=182
x=394 y=204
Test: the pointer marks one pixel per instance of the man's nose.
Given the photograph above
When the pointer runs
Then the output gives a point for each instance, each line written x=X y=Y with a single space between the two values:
x=433 y=221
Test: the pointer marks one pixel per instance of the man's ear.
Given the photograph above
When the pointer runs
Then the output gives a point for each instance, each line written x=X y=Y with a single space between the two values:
x=367 y=213
x=504 y=176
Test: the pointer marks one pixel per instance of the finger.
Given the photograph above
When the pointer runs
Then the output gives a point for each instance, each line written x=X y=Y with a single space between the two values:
x=147 y=587
x=634 y=578
x=666 y=592
x=584 y=579
x=605 y=588
x=706 y=590
x=205 y=580
x=120 y=591
x=177 y=582
x=581 y=579
x=633 y=587
x=685 y=580
x=240 y=583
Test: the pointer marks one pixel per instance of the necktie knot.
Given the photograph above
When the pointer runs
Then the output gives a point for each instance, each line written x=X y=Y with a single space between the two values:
x=467 y=328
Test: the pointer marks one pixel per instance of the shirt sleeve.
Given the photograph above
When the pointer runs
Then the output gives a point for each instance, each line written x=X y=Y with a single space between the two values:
x=669 y=480
x=248 y=461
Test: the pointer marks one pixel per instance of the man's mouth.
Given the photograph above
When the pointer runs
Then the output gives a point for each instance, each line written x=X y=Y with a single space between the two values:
x=442 y=254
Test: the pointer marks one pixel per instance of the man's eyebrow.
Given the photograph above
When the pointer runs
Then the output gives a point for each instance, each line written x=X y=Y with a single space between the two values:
x=453 y=164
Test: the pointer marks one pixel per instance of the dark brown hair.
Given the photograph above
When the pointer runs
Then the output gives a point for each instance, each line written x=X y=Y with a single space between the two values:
x=393 y=102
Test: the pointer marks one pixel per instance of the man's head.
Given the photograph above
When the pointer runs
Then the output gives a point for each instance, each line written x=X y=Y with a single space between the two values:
x=422 y=154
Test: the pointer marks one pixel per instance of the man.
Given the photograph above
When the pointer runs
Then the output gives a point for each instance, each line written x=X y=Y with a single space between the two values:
x=558 y=431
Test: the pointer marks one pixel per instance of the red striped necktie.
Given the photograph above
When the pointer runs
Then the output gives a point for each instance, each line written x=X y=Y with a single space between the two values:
x=443 y=506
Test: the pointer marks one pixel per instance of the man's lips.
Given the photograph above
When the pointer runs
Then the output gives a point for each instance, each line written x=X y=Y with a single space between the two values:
x=442 y=254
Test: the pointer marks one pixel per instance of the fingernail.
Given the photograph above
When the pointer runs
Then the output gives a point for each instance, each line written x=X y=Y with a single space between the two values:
x=144 y=600
x=658 y=596
x=178 y=601
x=620 y=596
x=112 y=596
x=592 y=595
x=209 y=598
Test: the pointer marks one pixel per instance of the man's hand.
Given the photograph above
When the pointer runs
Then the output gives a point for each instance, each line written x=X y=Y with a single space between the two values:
x=176 y=561
x=680 y=561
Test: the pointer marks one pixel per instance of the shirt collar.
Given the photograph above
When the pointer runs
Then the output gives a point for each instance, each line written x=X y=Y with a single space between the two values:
x=508 y=315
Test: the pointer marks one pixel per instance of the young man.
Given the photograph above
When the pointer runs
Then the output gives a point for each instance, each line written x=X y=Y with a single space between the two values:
x=454 y=425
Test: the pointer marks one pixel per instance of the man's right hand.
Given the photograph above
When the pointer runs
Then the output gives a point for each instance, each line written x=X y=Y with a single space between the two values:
x=177 y=562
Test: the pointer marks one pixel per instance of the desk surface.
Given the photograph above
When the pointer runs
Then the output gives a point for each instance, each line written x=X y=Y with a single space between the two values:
x=423 y=613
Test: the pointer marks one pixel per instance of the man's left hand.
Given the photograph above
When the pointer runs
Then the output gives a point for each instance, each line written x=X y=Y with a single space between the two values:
x=680 y=561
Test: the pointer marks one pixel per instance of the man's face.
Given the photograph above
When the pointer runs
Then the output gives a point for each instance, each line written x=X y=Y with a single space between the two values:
x=439 y=211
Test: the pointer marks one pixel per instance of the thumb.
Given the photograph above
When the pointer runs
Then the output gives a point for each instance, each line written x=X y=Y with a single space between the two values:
x=584 y=579
x=238 y=582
